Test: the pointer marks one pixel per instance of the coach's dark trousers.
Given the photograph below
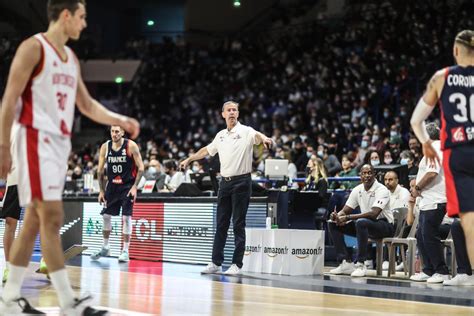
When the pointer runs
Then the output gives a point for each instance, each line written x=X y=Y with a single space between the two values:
x=232 y=201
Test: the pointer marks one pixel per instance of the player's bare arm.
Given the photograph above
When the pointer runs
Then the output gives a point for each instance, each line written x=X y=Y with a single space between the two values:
x=25 y=61
x=98 y=113
x=137 y=157
x=100 y=173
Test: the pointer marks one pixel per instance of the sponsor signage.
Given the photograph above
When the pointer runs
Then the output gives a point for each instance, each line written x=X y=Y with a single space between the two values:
x=170 y=231
x=284 y=251
x=147 y=235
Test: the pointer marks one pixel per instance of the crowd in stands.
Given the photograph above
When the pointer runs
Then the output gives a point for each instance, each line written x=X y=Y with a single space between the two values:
x=341 y=90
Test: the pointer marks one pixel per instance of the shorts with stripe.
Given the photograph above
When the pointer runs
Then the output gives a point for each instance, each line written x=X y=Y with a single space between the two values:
x=459 y=173
x=42 y=165
x=11 y=204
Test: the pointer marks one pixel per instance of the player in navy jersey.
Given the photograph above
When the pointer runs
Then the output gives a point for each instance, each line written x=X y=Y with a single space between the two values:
x=124 y=171
x=453 y=87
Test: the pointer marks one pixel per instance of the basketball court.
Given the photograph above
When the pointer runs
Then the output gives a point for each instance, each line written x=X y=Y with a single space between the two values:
x=155 y=288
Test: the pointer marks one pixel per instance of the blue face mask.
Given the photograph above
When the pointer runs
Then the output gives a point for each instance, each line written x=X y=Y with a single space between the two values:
x=320 y=153
x=375 y=162
x=364 y=144
x=404 y=161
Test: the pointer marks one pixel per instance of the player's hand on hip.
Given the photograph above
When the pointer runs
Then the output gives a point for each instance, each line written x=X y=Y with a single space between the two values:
x=430 y=153
x=101 y=198
x=5 y=161
x=133 y=193
x=132 y=127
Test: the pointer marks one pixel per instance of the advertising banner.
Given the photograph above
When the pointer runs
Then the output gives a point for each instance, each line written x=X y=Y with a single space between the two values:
x=284 y=251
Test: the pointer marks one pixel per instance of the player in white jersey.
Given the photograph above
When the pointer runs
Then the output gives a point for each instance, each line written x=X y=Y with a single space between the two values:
x=45 y=84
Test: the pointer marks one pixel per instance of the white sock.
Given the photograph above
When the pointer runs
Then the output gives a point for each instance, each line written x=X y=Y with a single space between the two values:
x=63 y=288
x=12 y=288
x=126 y=245
x=106 y=243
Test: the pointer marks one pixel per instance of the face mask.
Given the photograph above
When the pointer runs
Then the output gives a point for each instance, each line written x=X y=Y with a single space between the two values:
x=375 y=138
x=152 y=170
x=403 y=113
x=320 y=153
x=308 y=154
x=404 y=161
x=386 y=114
x=375 y=162
x=364 y=144
x=388 y=161
x=393 y=133
x=195 y=168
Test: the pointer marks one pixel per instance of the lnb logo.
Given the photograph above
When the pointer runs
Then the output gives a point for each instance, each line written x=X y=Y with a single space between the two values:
x=303 y=253
x=272 y=252
x=250 y=249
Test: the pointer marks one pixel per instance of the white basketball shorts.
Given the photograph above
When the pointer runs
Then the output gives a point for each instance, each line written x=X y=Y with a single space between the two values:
x=42 y=165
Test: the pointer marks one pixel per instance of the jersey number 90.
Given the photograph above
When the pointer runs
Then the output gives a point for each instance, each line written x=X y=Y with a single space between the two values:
x=117 y=169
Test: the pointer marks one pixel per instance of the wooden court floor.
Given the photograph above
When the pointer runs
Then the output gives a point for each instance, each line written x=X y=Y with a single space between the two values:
x=183 y=291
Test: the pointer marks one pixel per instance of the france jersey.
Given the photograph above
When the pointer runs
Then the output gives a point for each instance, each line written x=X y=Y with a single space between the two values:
x=457 y=106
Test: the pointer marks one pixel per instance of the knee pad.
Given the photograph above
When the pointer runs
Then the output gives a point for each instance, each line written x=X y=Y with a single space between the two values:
x=107 y=222
x=127 y=225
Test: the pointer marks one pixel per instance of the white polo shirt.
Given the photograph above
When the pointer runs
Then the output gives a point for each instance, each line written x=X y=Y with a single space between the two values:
x=377 y=196
x=435 y=192
x=399 y=197
x=235 y=148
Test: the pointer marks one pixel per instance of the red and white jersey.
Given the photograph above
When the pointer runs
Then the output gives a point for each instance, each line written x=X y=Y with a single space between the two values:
x=48 y=101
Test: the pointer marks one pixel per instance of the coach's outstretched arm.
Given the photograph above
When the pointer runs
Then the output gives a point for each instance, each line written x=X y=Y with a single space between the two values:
x=202 y=153
x=98 y=113
x=423 y=109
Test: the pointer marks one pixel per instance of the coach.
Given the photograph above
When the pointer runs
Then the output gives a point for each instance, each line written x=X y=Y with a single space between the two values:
x=235 y=148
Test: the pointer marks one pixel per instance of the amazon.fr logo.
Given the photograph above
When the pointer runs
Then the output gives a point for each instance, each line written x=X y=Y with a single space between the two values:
x=303 y=253
x=272 y=252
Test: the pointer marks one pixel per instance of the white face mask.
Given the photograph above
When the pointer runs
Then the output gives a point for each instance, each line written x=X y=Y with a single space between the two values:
x=195 y=168
x=375 y=162
x=388 y=161
x=152 y=170
x=320 y=153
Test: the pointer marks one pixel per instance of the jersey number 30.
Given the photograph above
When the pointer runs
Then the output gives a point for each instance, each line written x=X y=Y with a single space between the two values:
x=461 y=103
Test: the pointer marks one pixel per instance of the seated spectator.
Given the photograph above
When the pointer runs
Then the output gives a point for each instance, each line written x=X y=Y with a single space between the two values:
x=347 y=171
x=174 y=178
x=399 y=196
x=374 y=221
x=154 y=172
x=388 y=157
x=372 y=158
x=317 y=180
x=330 y=160
x=430 y=187
x=415 y=148
x=407 y=158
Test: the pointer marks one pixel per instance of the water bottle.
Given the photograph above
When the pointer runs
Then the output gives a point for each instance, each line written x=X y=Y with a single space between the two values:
x=268 y=223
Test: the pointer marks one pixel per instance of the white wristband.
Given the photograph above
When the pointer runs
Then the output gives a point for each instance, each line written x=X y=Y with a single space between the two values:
x=420 y=114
